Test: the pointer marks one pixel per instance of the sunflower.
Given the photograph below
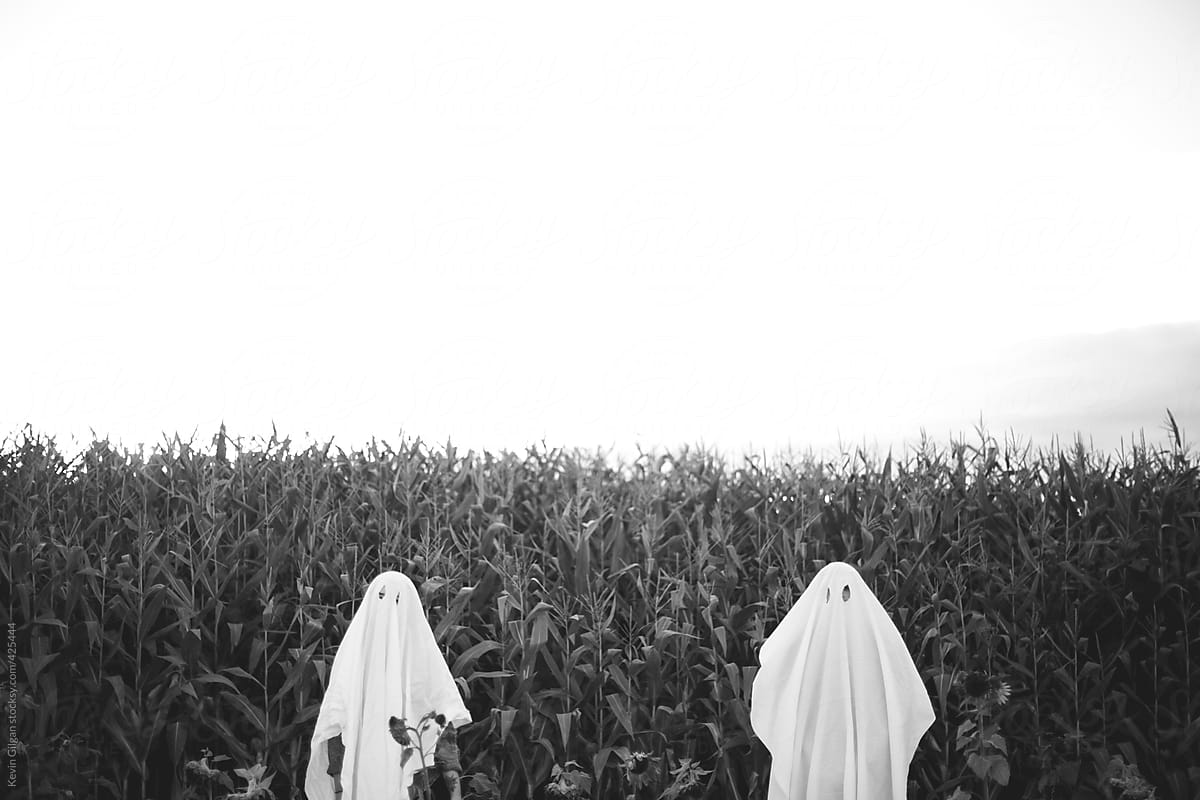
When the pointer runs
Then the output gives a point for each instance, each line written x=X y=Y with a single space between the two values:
x=983 y=688
x=638 y=762
x=976 y=685
x=999 y=691
x=398 y=728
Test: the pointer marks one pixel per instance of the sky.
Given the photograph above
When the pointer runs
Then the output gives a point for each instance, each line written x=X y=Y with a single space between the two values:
x=623 y=225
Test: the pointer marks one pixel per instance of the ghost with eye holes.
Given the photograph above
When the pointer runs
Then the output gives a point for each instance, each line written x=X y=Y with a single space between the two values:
x=838 y=700
x=387 y=665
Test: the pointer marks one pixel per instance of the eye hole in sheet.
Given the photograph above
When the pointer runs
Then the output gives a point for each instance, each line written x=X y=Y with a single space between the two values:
x=381 y=594
x=845 y=593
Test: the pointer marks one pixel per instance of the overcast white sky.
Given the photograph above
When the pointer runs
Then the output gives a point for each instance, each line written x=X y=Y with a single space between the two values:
x=653 y=223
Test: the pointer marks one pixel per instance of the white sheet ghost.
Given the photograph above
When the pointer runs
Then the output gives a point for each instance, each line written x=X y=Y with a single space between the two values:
x=388 y=664
x=837 y=699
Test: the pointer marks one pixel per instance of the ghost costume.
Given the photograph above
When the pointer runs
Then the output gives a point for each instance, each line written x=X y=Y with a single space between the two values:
x=387 y=665
x=838 y=700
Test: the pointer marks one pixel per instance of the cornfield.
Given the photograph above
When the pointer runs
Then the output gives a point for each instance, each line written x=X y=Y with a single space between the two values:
x=602 y=620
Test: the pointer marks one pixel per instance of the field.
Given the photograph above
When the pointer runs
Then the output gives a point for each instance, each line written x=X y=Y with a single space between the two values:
x=602 y=619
